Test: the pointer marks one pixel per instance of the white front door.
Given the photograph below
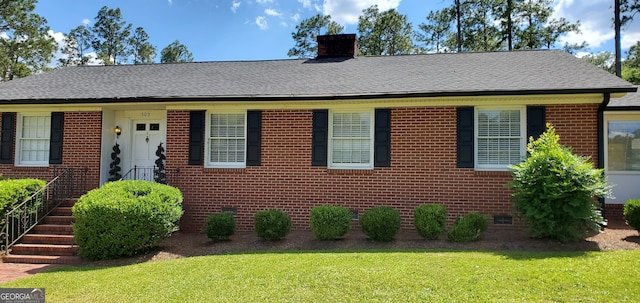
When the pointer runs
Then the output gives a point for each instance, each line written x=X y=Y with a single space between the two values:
x=147 y=136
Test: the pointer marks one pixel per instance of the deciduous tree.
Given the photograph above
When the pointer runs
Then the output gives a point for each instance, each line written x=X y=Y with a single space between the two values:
x=175 y=52
x=384 y=33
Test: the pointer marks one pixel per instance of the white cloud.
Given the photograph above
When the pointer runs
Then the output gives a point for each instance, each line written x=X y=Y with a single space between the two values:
x=170 y=2
x=295 y=17
x=305 y=3
x=264 y=1
x=86 y=21
x=235 y=5
x=348 y=11
x=59 y=38
x=272 y=12
x=262 y=23
x=629 y=39
x=596 y=24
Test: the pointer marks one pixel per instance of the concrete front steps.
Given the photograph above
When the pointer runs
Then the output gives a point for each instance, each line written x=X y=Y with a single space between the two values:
x=50 y=242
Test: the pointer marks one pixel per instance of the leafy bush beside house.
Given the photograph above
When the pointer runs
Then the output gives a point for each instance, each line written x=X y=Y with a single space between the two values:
x=329 y=222
x=468 y=227
x=220 y=226
x=15 y=191
x=430 y=220
x=123 y=218
x=554 y=190
x=272 y=224
x=381 y=223
x=631 y=213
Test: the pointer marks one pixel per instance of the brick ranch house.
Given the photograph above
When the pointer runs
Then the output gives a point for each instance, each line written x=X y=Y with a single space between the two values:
x=292 y=134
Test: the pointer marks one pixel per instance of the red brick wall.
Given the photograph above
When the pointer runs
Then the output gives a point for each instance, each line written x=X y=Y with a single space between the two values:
x=81 y=149
x=423 y=169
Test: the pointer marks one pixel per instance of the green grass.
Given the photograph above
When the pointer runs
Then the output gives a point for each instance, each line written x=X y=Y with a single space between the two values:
x=363 y=276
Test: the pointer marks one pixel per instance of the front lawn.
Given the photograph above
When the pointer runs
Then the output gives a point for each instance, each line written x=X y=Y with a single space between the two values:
x=362 y=276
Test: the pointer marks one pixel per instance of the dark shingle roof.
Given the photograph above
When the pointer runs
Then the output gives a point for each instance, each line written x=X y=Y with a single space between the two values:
x=522 y=72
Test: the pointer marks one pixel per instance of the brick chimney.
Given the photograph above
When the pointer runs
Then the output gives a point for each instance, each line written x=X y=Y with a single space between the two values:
x=337 y=46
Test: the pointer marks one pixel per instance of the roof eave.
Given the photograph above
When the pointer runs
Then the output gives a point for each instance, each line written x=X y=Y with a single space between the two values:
x=292 y=97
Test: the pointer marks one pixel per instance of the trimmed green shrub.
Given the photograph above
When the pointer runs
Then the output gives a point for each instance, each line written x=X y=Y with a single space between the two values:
x=430 y=220
x=554 y=190
x=330 y=222
x=631 y=213
x=381 y=223
x=272 y=224
x=468 y=227
x=220 y=226
x=123 y=218
x=16 y=191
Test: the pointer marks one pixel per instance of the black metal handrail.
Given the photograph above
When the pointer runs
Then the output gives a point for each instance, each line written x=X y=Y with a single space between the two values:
x=23 y=217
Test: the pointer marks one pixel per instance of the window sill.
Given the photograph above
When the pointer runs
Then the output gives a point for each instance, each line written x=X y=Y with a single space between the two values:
x=351 y=172
x=223 y=170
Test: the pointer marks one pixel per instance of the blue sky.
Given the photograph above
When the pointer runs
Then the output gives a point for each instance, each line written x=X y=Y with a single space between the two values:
x=227 y=30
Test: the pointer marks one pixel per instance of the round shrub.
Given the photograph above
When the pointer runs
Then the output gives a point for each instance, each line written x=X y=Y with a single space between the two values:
x=632 y=213
x=468 y=227
x=330 y=222
x=123 y=218
x=381 y=223
x=430 y=220
x=220 y=226
x=272 y=224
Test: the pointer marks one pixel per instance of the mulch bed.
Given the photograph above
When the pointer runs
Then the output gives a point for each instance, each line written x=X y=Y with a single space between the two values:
x=617 y=236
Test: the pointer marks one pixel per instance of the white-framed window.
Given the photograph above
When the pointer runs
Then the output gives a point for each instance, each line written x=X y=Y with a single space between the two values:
x=32 y=139
x=351 y=139
x=226 y=139
x=623 y=144
x=500 y=137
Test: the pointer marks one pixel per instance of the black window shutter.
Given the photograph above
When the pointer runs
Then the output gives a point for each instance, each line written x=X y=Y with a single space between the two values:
x=382 y=142
x=465 y=140
x=254 y=137
x=536 y=121
x=55 y=140
x=196 y=137
x=320 y=138
x=6 y=145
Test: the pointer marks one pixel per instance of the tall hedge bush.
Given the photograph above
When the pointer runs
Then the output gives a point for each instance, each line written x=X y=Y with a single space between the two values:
x=15 y=191
x=330 y=222
x=123 y=218
x=554 y=190
x=430 y=220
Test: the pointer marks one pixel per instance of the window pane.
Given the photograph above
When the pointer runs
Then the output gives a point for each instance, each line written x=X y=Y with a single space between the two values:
x=499 y=137
x=623 y=151
x=351 y=138
x=227 y=138
x=34 y=140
